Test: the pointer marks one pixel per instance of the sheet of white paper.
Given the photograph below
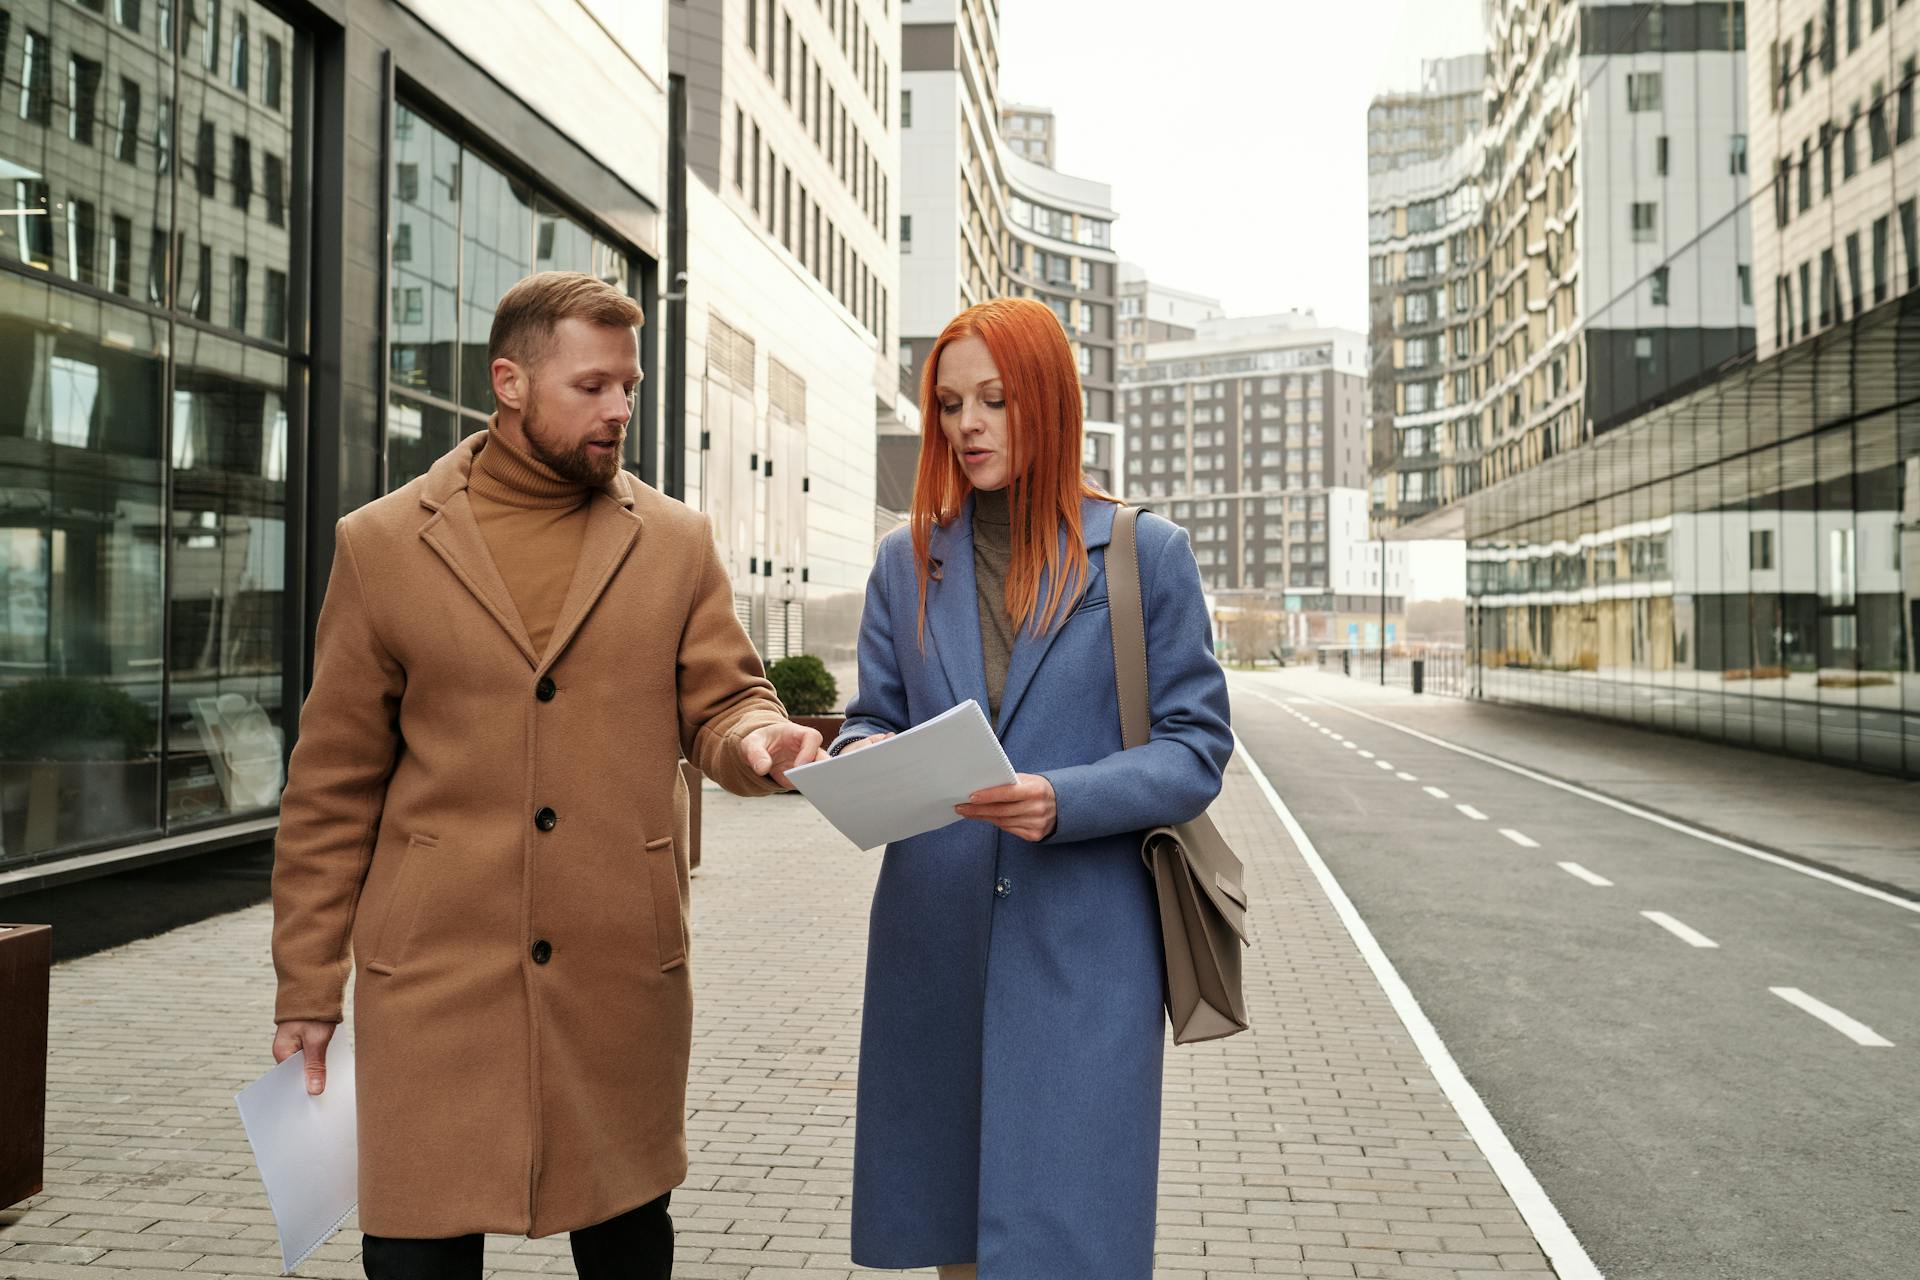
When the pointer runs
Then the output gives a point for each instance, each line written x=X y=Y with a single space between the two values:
x=910 y=783
x=307 y=1149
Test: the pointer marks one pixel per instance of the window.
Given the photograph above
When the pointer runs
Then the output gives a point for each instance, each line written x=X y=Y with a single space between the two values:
x=739 y=150
x=1660 y=154
x=36 y=80
x=276 y=191
x=1849 y=154
x=127 y=131
x=237 y=280
x=203 y=164
x=1877 y=143
x=1806 y=174
x=202 y=300
x=1760 y=548
x=1910 y=241
x=1829 y=288
x=1853 y=25
x=1744 y=273
x=1643 y=91
x=1882 y=242
x=906 y=108
x=82 y=241
x=1645 y=215
x=906 y=233
x=753 y=24
x=1737 y=153
x=210 y=41
x=1853 y=273
x=83 y=94
x=120 y=257
x=1646 y=363
x=1659 y=282
x=270 y=74
x=237 y=57
x=275 y=326
x=1903 y=129
x=242 y=173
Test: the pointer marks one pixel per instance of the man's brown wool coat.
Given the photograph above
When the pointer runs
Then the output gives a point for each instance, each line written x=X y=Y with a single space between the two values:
x=496 y=841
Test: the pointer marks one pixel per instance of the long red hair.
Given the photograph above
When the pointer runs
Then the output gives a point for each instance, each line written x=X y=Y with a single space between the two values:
x=1042 y=389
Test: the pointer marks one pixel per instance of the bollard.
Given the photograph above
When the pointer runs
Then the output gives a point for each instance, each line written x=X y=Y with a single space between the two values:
x=1346 y=662
x=1419 y=675
x=26 y=961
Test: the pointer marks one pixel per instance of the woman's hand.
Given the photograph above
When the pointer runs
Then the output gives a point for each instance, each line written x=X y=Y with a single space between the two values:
x=1025 y=809
x=867 y=741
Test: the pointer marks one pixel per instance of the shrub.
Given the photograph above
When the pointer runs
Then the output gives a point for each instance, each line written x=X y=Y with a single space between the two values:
x=61 y=719
x=805 y=686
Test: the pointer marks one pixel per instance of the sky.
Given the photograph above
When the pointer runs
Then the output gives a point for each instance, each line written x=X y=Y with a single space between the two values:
x=1233 y=132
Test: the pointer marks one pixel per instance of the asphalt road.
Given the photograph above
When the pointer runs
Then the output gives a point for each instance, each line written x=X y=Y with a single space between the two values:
x=1695 y=1111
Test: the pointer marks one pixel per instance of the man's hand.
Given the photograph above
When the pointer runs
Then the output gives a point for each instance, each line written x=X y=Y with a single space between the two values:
x=776 y=748
x=861 y=743
x=1025 y=809
x=292 y=1037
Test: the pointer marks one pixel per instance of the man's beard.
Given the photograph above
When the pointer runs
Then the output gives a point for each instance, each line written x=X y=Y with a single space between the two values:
x=575 y=464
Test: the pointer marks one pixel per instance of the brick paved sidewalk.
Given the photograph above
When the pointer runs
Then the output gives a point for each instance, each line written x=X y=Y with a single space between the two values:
x=1318 y=1145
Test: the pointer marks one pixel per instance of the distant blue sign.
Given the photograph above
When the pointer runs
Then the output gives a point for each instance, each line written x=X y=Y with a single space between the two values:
x=1373 y=634
x=1353 y=633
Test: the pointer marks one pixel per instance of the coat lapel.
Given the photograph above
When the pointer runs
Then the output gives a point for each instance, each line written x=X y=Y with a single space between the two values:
x=612 y=531
x=1029 y=649
x=953 y=610
x=455 y=534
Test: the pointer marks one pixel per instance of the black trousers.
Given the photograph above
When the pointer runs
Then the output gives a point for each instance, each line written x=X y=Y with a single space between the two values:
x=637 y=1245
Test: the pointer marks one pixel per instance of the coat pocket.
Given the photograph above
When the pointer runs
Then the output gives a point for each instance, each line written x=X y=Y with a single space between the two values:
x=669 y=928
x=402 y=911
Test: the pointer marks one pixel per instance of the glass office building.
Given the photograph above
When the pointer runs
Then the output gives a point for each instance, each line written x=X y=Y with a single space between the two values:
x=247 y=263
x=1742 y=565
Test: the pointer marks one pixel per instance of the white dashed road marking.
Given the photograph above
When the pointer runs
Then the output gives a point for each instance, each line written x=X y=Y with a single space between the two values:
x=1471 y=812
x=1858 y=1032
x=1692 y=937
x=1575 y=869
x=1519 y=838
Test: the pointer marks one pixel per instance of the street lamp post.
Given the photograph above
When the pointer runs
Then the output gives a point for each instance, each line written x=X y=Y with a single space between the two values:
x=1383 y=608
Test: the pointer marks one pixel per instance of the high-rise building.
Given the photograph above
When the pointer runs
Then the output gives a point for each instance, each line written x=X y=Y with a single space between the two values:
x=978 y=221
x=1674 y=532
x=786 y=317
x=1618 y=273
x=1427 y=289
x=248 y=259
x=1028 y=132
x=1252 y=434
x=1833 y=115
x=1151 y=312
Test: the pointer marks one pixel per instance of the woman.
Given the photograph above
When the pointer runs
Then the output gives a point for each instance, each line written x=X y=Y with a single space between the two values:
x=1009 y=1095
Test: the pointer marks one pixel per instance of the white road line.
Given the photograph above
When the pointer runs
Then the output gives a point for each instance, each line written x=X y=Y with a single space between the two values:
x=1575 y=869
x=1858 y=1032
x=1519 y=838
x=1905 y=904
x=1366 y=755
x=1471 y=812
x=1435 y=792
x=1351 y=746
x=1404 y=776
x=1382 y=764
x=1691 y=937
x=1563 y=1249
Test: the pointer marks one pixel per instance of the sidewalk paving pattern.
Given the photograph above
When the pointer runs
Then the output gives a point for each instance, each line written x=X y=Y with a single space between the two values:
x=1316 y=1145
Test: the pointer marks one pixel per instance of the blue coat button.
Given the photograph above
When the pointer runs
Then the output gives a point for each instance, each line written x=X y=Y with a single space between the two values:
x=1002 y=887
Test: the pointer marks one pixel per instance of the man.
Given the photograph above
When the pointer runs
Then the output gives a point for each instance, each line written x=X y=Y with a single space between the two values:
x=485 y=812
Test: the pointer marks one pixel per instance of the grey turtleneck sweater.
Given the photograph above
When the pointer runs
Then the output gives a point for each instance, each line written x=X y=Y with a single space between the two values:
x=992 y=557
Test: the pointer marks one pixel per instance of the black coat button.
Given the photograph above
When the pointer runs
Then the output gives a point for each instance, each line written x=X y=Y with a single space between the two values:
x=542 y=951
x=546 y=819
x=545 y=689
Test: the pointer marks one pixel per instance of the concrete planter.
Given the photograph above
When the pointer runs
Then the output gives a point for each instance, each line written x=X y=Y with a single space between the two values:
x=26 y=960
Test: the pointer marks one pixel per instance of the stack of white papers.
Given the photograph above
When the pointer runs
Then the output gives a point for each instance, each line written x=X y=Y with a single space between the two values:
x=307 y=1149
x=910 y=783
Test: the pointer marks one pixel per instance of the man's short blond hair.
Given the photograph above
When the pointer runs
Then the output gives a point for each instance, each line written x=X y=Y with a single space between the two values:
x=524 y=322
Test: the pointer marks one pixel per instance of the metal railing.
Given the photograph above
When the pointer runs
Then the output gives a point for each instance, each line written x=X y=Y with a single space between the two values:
x=1423 y=668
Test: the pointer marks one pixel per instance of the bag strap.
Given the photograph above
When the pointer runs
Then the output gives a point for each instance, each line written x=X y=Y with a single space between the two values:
x=1129 y=623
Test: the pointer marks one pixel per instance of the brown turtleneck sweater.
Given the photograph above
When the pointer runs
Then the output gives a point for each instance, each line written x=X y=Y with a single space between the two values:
x=992 y=558
x=533 y=521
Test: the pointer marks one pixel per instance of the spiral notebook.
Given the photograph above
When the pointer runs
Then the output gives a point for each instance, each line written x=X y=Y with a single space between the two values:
x=909 y=784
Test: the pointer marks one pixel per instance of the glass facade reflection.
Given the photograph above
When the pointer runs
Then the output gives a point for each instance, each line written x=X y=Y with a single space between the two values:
x=147 y=347
x=463 y=230
x=1742 y=564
